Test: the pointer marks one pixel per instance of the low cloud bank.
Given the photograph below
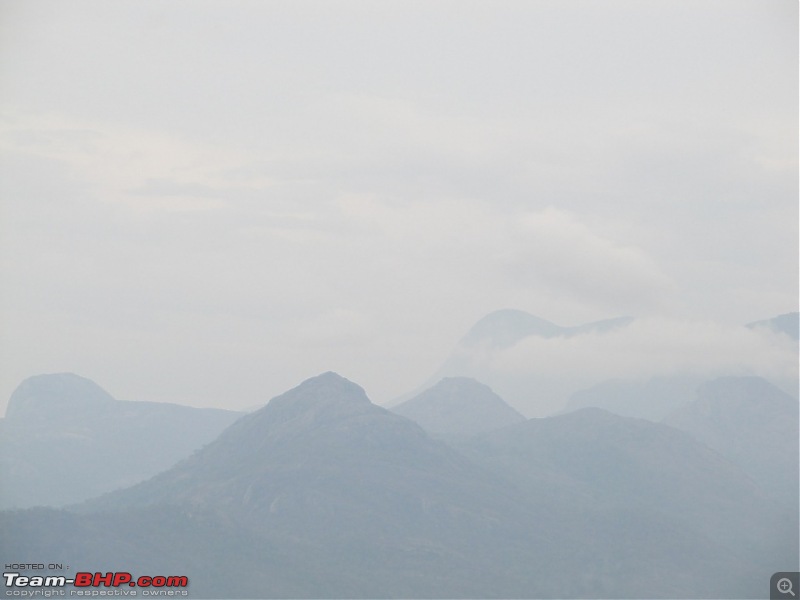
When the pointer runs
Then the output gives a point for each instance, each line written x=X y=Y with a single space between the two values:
x=538 y=374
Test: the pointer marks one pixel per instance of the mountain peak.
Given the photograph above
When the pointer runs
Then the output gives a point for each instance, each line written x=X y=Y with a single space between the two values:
x=327 y=388
x=54 y=393
x=302 y=412
x=504 y=328
x=300 y=455
x=459 y=406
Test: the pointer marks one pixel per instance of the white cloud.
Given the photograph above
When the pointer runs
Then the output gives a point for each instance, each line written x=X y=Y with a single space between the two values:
x=398 y=169
x=656 y=346
x=557 y=251
x=538 y=375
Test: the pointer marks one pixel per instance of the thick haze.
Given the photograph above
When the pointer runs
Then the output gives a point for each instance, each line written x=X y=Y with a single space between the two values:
x=207 y=202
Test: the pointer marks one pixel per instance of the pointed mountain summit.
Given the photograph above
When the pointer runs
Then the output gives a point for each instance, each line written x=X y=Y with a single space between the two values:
x=328 y=391
x=319 y=448
x=322 y=476
x=459 y=406
x=322 y=494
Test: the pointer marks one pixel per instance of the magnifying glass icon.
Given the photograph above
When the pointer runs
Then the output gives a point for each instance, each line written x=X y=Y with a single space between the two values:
x=784 y=586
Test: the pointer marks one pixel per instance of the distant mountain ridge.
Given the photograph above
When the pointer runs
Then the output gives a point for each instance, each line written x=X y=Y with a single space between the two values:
x=458 y=406
x=651 y=399
x=65 y=439
x=317 y=426
x=788 y=323
x=501 y=330
x=323 y=494
x=504 y=328
x=328 y=477
x=55 y=395
x=509 y=350
x=690 y=491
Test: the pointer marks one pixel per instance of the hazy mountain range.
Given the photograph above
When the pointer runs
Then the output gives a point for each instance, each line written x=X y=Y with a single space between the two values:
x=323 y=494
x=643 y=368
x=452 y=493
x=64 y=439
x=501 y=330
x=653 y=398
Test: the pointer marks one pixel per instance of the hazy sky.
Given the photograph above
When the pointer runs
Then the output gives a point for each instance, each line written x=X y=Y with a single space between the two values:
x=207 y=202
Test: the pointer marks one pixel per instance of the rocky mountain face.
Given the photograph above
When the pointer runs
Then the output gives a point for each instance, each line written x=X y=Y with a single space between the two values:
x=64 y=439
x=323 y=494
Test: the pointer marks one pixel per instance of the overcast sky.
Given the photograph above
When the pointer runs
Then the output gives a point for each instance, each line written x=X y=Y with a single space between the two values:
x=207 y=202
